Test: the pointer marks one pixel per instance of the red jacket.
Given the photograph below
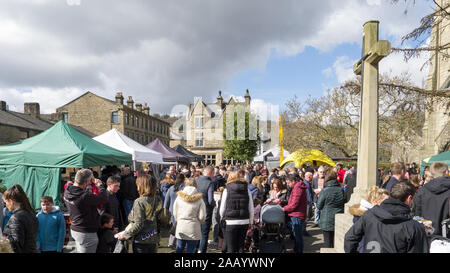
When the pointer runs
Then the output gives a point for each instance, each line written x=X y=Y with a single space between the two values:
x=298 y=201
x=340 y=176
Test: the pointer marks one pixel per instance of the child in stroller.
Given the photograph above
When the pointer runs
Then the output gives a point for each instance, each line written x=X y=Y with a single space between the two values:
x=270 y=234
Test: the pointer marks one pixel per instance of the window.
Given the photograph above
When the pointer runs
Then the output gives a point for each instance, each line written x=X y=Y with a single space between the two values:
x=115 y=117
x=181 y=129
x=199 y=122
x=199 y=139
x=66 y=117
x=146 y=124
x=132 y=120
x=127 y=121
x=137 y=122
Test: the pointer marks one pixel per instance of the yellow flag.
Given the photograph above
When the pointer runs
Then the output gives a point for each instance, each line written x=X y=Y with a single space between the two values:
x=281 y=138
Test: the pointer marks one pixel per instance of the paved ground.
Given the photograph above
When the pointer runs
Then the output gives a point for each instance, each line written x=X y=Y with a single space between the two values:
x=311 y=244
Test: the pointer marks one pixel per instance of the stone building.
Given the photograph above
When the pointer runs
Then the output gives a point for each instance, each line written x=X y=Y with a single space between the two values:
x=15 y=126
x=99 y=115
x=201 y=129
x=436 y=130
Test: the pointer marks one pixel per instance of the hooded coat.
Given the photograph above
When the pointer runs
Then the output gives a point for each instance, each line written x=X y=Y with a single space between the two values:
x=432 y=202
x=189 y=212
x=52 y=230
x=82 y=206
x=331 y=201
x=387 y=228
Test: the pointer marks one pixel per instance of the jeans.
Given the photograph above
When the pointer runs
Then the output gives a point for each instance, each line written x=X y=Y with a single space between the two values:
x=235 y=238
x=190 y=246
x=127 y=206
x=206 y=226
x=297 y=230
x=144 y=248
x=316 y=214
x=215 y=225
x=85 y=242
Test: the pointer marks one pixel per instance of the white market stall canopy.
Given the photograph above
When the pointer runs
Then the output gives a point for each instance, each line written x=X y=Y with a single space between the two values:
x=115 y=139
x=272 y=154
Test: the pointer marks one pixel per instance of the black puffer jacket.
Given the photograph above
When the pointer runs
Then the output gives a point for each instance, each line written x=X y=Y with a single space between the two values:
x=21 y=231
x=387 y=228
x=432 y=202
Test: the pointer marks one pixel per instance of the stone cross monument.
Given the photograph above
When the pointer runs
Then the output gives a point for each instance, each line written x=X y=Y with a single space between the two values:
x=373 y=52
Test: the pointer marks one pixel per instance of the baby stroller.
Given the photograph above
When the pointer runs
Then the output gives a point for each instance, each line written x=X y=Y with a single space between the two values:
x=270 y=235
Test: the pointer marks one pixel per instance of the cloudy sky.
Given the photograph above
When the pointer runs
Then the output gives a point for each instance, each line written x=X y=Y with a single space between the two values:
x=168 y=52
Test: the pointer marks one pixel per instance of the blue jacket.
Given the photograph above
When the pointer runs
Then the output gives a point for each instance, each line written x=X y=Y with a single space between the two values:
x=52 y=230
x=254 y=191
x=309 y=191
x=170 y=198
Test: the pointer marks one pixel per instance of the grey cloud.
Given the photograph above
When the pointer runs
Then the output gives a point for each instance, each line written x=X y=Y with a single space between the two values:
x=160 y=52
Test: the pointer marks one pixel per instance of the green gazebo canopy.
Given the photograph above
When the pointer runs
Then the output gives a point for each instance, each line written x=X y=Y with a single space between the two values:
x=35 y=163
x=442 y=157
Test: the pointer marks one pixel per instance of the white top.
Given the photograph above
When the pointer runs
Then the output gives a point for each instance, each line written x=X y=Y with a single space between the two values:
x=237 y=222
x=115 y=139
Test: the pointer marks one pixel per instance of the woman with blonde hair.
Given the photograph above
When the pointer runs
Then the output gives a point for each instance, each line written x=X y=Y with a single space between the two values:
x=256 y=187
x=166 y=183
x=375 y=196
x=189 y=212
x=146 y=217
x=236 y=208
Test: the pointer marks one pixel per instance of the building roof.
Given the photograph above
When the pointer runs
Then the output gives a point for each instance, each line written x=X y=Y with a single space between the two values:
x=113 y=102
x=25 y=121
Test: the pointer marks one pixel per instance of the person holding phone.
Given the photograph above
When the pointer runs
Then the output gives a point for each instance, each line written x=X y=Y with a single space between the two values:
x=82 y=205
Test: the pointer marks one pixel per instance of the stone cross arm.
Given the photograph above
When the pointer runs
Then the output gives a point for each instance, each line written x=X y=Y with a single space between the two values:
x=380 y=50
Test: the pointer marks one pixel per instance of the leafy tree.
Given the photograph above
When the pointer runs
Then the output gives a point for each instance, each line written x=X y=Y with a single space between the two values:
x=242 y=148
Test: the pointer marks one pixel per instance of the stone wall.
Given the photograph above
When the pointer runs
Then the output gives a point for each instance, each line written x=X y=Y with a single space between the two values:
x=11 y=134
x=434 y=130
x=90 y=112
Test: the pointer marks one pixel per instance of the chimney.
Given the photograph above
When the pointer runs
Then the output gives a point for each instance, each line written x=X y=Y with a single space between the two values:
x=247 y=97
x=3 y=106
x=130 y=102
x=32 y=109
x=220 y=99
x=146 y=110
x=139 y=107
x=119 y=98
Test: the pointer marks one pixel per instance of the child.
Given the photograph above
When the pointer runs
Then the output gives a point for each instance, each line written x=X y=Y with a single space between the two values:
x=106 y=241
x=52 y=227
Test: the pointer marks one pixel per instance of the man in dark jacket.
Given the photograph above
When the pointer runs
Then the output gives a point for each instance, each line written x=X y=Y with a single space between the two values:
x=112 y=207
x=432 y=200
x=398 y=174
x=128 y=191
x=206 y=187
x=389 y=228
x=296 y=209
x=82 y=206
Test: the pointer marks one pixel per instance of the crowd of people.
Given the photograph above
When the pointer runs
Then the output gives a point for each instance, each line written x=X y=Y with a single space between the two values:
x=129 y=209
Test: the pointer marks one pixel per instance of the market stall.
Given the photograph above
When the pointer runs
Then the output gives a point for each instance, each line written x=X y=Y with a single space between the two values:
x=35 y=163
